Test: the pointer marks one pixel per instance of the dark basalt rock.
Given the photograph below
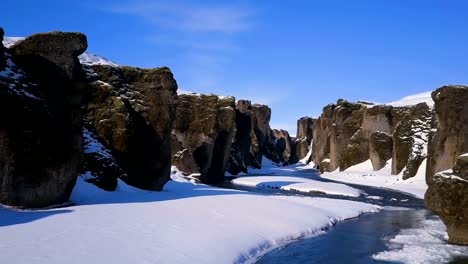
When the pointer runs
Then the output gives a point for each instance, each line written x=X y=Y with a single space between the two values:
x=281 y=149
x=132 y=111
x=203 y=132
x=304 y=136
x=41 y=144
x=252 y=137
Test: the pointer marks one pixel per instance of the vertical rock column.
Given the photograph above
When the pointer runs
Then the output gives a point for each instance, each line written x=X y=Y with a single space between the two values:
x=41 y=144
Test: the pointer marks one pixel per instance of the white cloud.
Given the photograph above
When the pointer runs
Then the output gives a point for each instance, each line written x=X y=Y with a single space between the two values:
x=190 y=17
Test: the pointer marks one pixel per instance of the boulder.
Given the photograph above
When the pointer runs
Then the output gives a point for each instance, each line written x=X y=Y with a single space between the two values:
x=204 y=128
x=450 y=138
x=380 y=149
x=41 y=143
x=447 y=196
x=132 y=111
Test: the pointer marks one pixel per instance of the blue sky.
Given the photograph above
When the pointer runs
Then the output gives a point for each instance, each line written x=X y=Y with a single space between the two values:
x=296 y=56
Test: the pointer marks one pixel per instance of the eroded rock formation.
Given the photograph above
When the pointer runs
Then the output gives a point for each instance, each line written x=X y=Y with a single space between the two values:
x=450 y=138
x=304 y=136
x=410 y=140
x=41 y=144
x=347 y=134
x=447 y=168
x=202 y=135
x=132 y=111
x=281 y=149
x=252 y=136
x=447 y=196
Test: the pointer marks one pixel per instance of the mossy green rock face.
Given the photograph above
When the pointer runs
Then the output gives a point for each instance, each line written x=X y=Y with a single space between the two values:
x=41 y=143
x=132 y=111
x=202 y=135
x=447 y=196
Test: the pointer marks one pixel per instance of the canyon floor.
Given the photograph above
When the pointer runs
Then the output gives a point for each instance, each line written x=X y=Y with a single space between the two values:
x=190 y=222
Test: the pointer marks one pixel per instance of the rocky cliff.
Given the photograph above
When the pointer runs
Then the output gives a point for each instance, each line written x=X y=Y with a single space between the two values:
x=447 y=173
x=304 y=136
x=202 y=135
x=347 y=134
x=254 y=139
x=132 y=111
x=41 y=144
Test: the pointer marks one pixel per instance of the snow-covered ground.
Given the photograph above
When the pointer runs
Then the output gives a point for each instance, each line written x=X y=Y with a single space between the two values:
x=364 y=175
x=186 y=223
x=424 y=244
x=297 y=184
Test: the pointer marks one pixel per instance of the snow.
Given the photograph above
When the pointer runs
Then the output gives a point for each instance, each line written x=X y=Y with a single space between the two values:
x=10 y=41
x=92 y=59
x=297 y=184
x=15 y=79
x=414 y=99
x=363 y=174
x=309 y=154
x=92 y=145
x=186 y=223
x=424 y=244
x=183 y=91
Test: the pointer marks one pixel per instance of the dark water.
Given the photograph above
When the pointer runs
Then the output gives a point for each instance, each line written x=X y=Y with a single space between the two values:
x=351 y=241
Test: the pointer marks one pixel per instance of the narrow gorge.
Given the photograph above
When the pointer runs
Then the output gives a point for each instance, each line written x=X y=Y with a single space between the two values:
x=67 y=119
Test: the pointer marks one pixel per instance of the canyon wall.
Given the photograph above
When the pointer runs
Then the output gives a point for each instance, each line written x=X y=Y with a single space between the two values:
x=132 y=110
x=447 y=167
x=202 y=135
x=254 y=139
x=304 y=136
x=347 y=134
x=41 y=144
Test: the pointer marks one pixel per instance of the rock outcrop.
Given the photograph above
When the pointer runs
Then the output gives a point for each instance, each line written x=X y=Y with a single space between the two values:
x=202 y=135
x=41 y=144
x=447 y=196
x=132 y=111
x=281 y=149
x=450 y=138
x=252 y=136
x=380 y=149
x=347 y=134
x=410 y=140
x=304 y=136
x=447 y=168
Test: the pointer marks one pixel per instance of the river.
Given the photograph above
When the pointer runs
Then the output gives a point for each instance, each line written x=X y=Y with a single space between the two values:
x=355 y=240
